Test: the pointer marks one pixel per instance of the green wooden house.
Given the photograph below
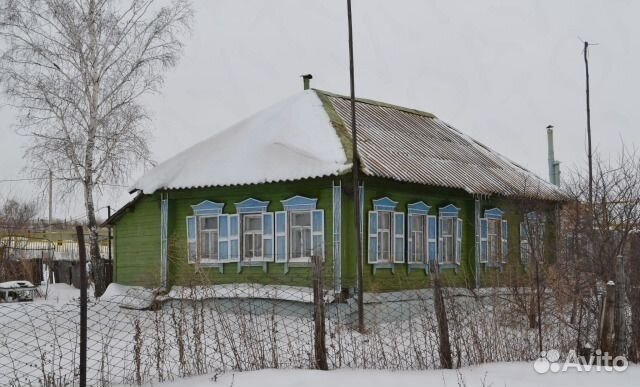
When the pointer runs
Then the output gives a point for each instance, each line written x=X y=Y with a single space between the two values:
x=255 y=202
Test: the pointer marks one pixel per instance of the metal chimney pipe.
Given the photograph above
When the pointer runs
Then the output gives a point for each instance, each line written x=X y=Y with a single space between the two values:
x=550 y=155
x=556 y=171
x=306 y=80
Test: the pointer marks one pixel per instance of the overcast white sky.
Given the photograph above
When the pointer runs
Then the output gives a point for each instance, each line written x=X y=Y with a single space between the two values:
x=500 y=71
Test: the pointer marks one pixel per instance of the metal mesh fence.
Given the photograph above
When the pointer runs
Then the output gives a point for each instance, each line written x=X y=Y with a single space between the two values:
x=137 y=336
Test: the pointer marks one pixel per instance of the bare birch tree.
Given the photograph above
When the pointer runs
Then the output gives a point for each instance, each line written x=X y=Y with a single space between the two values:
x=75 y=70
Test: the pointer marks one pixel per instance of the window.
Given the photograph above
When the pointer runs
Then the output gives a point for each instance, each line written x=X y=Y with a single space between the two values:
x=252 y=236
x=386 y=233
x=208 y=238
x=494 y=232
x=417 y=238
x=525 y=249
x=384 y=236
x=448 y=239
x=532 y=238
x=494 y=240
x=449 y=236
x=212 y=237
x=299 y=231
x=256 y=232
x=300 y=235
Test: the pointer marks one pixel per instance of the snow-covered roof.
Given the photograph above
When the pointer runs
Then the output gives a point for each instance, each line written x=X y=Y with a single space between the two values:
x=16 y=285
x=290 y=140
x=309 y=135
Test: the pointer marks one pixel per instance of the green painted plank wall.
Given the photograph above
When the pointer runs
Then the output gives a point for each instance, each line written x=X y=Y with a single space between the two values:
x=180 y=202
x=405 y=193
x=137 y=244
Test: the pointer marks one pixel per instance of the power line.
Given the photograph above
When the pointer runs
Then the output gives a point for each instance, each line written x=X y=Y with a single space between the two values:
x=46 y=178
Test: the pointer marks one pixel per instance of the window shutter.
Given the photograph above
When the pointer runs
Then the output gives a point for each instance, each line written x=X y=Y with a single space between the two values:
x=484 y=244
x=410 y=246
x=524 y=243
x=459 y=241
x=317 y=233
x=223 y=238
x=505 y=241
x=432 y=240
x=398 y=239
x=234 y=238
x=192 y=239
x=440 y=241
x=373 y=237
x=281 y=236
x=267 y=236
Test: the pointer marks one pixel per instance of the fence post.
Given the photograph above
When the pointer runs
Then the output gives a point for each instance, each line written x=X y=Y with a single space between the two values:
x=319 y=316
x=619 y=323
x=446 y=359
x=606 y=326
x=83 y=306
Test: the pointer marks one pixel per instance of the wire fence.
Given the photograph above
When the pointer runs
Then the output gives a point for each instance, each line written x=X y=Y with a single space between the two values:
x=136 y=336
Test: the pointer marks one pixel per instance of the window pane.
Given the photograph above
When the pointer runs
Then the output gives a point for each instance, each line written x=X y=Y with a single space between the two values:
x=253 y=223
x=307 y=242
x=210 y=223
x=384 y=220
x=214 y=245
x=419 y=246
x=417 y=222
x=204 y=245
x=449 y=249
x=248 y=247
x=257 y=247
x=296 y=243
x=384 y=245
x=301 y=219
x=447 y=226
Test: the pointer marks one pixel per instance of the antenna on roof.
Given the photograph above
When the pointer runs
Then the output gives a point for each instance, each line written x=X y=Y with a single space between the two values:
x=306 y=80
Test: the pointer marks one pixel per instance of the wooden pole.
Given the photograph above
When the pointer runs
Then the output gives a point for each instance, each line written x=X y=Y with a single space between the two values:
x=619 y=318
x=320 y=346
x=589 y=154
x=356 y=179
x=83 y=306
x=539 y=306
x=50 y=200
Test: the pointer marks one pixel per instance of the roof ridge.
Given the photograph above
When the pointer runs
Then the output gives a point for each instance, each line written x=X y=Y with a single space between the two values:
x=379 y=103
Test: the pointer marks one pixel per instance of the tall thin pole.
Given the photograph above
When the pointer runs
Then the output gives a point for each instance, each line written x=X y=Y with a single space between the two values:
x=356 y=178
x=109 y=231
x=50 y=199
x=83 y=306
x=589 y=155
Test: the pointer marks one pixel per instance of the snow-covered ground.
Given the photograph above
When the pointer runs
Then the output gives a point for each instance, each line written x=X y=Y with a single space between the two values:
x=57 y=294
x=493 y=374
x=187 y=336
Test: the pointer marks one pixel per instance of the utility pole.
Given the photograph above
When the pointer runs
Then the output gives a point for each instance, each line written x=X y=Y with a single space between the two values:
x=356 y=179
x=83 y=306
x=589 y=155
x=109 y=231
x=50 y=199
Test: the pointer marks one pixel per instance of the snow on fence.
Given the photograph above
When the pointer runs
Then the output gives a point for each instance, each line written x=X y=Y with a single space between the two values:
x=136 y=337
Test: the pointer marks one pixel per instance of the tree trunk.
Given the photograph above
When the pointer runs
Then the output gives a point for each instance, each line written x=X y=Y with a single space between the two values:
x=93 y=90
x=97 y=269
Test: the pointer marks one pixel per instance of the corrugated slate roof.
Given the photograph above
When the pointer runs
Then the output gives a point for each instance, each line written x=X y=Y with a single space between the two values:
x=414 y=146
x=296 y=139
